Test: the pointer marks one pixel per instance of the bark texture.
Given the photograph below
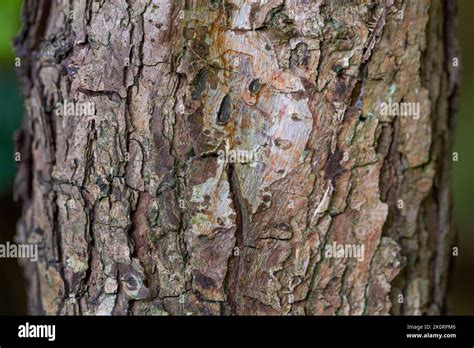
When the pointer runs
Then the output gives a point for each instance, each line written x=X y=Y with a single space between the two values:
x=136 y=214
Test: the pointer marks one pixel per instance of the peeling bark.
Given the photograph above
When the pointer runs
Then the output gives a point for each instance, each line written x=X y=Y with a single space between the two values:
x=135 y=210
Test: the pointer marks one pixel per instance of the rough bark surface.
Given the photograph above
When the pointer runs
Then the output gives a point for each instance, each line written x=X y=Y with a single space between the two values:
x=136 y=214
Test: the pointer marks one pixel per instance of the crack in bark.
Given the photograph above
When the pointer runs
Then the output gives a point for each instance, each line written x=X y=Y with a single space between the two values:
x=233 y=269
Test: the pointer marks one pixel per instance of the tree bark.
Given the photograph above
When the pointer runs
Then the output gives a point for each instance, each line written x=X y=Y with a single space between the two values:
x=135 y=207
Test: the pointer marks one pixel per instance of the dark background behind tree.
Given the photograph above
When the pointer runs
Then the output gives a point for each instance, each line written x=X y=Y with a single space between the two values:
x=12 y=293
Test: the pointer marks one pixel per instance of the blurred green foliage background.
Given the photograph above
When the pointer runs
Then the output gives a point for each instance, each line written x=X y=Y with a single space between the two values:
x=461 y=294
x=10 y=101
x=461 y=290
x=12 y=286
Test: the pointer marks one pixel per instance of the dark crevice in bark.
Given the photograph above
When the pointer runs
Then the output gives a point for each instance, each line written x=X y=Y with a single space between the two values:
x=112 y=95
x=233 y=269
x=24 y=179
x=316 y=268
x=35 y=306
x=41 y=23
x=57 y=237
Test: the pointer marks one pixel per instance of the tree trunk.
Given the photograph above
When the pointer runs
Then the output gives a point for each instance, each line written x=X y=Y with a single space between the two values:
x=217 y=157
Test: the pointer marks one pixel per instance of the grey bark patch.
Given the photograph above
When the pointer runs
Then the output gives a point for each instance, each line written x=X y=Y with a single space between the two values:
x=299 y=55
x=203 y=280
x=280 y=23
x=215 y=4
